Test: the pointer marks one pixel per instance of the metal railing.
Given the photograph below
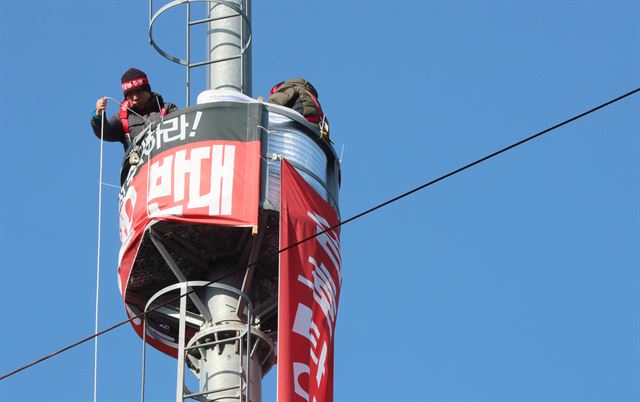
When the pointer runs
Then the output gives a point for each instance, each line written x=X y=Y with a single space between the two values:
x=242 y=332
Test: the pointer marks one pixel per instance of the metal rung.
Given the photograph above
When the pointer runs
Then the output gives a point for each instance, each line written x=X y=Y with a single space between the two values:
x=196 y=394
x=244 y=386
x=196 y=22
x=245 y=44
x=203 y=63
x=213 y=343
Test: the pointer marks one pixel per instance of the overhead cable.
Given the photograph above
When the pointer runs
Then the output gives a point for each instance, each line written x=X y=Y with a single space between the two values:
x=344 y=222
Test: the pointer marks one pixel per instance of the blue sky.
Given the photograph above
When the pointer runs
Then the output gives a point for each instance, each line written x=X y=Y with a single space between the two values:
x=514 y=281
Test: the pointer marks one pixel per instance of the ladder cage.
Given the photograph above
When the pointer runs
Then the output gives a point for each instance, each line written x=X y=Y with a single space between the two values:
x=241 y=11
x=189 y=354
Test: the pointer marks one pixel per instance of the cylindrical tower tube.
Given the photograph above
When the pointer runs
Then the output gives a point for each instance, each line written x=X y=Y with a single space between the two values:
x=225 y=40
x=225 y=369
x=220 y=366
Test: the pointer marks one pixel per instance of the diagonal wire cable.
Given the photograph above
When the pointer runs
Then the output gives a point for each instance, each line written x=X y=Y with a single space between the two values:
x=341 y=223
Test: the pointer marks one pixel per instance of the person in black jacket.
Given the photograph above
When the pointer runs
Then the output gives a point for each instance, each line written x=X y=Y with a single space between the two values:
x=141 y=107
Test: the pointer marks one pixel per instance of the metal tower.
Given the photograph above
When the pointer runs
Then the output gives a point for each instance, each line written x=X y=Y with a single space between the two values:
x=199 y=215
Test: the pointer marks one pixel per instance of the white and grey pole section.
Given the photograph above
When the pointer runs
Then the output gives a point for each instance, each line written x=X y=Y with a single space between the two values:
x=230 y=366
x=226 y=37
x=229 y=370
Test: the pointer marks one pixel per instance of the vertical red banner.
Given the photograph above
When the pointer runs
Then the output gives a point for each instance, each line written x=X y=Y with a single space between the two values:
x=310 y=278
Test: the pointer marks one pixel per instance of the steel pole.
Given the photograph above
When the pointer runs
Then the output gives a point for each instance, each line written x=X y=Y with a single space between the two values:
x=225 y=39
x=223 y=368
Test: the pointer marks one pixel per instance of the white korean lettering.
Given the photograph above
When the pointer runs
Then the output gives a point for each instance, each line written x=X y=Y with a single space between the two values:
x=321 y=363
x=324 y=293
x=222 y=179
x=171 y=130
x=163 y=130
x=328 y=241
x=182 y=167
x=298 y=370
x=193 y=166
x=160 y=178
x=127 y=208
x=168 y=178
x=304 y=325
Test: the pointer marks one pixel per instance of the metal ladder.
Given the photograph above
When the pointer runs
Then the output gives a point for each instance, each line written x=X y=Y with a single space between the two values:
x=240 y=10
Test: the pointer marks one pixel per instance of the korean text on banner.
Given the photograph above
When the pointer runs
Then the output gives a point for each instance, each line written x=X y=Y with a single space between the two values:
x=310 y=278
x=199 y=166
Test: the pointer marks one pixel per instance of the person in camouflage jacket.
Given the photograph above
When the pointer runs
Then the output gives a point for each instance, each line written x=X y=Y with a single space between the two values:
x=301 y=96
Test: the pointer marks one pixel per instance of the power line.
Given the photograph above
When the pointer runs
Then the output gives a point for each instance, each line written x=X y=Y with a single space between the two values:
x=344 y=222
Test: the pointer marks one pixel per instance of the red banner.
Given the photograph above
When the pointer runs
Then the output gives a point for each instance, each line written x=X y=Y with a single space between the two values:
x=200 y=166
x=209 y=182
x=310 y=278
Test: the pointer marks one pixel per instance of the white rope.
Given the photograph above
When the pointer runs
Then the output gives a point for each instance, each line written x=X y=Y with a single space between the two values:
x=110 y=185
x=97 y=302
x=129 y=109
x=267 y=131
x=95 y=344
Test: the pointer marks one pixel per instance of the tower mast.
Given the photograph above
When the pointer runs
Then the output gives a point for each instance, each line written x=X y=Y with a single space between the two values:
x=226 y=35
x=200 y=215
